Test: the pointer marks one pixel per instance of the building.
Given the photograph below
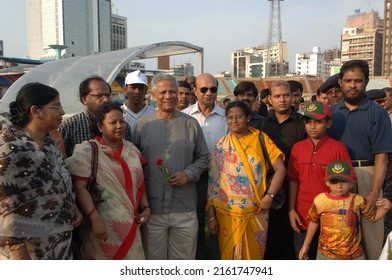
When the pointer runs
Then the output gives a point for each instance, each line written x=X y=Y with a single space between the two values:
x=362 y=39
x=310 y=64
x=332 y=62
x=278 y=66
x=119 y=32
x=387 y=41
x=182 y=70
x=83 y=27
x=243 y=61
x=365 y=21
x=251 y=62
x=1 y=48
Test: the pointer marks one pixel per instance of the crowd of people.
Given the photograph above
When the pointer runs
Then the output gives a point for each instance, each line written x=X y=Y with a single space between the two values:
x=194 y=179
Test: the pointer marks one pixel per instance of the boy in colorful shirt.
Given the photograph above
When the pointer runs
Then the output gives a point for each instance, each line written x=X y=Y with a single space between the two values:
x=306 y=170
x=338 y=212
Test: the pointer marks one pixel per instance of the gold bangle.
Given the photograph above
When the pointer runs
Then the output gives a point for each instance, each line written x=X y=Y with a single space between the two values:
x=210 y=220
x=16 y=247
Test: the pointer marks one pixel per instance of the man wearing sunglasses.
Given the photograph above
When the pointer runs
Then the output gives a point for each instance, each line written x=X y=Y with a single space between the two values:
x=212 y=120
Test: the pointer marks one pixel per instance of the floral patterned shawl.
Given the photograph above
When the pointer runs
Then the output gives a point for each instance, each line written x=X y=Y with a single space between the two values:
x=237 y=183
x=36 y=198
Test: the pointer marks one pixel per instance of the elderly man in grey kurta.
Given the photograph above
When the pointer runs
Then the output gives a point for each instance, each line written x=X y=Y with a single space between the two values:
x=177 y=153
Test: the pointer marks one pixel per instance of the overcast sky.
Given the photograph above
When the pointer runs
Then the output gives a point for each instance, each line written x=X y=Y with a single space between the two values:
x=219 y=26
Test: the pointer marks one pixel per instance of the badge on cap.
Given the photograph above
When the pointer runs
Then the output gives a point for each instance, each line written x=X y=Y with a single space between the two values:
x=312 y=107
x=338 y=168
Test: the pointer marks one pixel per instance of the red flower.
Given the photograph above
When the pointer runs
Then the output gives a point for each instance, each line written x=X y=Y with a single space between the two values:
x=164 y=169
x=231 y=157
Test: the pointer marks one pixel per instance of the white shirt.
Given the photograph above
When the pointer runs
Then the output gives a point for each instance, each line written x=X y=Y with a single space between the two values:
x=214 y=126
x=131 y=118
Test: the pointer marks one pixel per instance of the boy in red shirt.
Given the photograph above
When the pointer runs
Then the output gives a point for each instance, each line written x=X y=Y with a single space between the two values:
x=306 y=170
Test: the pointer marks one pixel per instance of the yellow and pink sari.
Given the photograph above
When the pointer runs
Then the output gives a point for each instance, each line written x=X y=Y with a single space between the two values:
x=121 y=182
x=237 y=182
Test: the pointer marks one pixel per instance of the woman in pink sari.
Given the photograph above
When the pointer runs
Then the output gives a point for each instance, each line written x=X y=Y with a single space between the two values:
x=113 y=231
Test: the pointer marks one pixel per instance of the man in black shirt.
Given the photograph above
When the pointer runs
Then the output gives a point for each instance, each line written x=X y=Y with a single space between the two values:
x=285 y=127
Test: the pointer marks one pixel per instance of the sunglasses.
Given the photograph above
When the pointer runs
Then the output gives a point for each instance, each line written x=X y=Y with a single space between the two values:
x=205 y=89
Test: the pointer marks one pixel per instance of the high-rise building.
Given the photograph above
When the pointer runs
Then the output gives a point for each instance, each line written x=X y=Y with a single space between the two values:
x=1 y=48
x=84 y=27
x=387 y=41
x=309 y=63
x=251 y=62
x=119 y=32
x=244 y=60
x=362 y=39
x=332 y=62
x=365 y=21
x=332 y=54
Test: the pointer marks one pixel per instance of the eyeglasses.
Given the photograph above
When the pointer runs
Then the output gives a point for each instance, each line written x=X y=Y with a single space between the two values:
x=101 y=95
x=380 y=101
x=204 y=90
x=56 y=107
x=236 y=118
x=333 y=91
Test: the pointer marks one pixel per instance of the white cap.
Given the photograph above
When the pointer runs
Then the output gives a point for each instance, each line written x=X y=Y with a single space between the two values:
x=136 y=77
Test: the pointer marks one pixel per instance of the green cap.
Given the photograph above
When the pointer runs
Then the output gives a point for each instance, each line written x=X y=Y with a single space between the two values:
x=317 y=110
x=339 y=170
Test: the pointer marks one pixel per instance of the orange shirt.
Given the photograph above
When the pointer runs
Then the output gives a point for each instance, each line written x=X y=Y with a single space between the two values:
x=340 y=229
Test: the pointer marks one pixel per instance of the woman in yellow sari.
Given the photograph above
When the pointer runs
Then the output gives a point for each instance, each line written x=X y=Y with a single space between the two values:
x=238 y=204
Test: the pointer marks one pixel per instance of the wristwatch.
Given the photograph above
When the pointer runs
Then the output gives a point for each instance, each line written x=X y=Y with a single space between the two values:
x=271 y=194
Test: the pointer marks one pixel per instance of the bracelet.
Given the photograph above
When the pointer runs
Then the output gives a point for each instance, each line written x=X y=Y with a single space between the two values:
x=210 y=220
x=145 y=207
x=91 y=212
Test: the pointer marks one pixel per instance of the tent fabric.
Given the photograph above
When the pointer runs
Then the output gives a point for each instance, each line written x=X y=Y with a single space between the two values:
x=65 y=75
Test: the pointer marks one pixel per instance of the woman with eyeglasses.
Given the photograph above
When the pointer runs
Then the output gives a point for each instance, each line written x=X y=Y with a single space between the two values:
x=238 y=204
x=37 y=203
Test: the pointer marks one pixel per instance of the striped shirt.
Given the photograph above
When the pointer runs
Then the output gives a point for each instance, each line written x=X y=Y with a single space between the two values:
x=131 y=118
x=81 y=127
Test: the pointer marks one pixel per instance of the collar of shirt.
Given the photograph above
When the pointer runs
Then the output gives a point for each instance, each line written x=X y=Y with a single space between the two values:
x=89 y=115
x=363 y=106
x=294 y=115
x=320 y=142
x=217 y=110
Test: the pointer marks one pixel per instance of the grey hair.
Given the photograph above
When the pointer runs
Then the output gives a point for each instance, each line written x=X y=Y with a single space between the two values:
x=280 y=83
x=161 y=77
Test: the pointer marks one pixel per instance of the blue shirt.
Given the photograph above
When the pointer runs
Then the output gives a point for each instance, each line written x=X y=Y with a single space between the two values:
x=365 y=130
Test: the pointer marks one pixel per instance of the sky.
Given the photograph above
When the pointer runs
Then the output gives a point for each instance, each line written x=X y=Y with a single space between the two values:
x=219 y=26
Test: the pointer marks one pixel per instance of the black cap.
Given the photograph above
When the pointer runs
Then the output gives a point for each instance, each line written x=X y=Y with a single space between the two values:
x=374 y=94
x=331 y=82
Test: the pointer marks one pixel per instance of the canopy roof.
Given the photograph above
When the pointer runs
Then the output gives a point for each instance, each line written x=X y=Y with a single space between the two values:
x=66 y=74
